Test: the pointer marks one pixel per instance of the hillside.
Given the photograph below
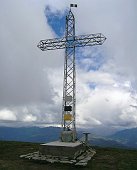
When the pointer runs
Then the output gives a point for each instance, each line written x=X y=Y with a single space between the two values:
x=29 y=134
x=48 y=134
x=105 y=159
x=122 y=139
x=106 y=142
x=126 y=137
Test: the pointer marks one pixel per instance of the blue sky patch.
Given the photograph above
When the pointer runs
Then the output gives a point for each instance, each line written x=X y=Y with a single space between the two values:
x=56 y=20
x=92 y=85
x=92 y=60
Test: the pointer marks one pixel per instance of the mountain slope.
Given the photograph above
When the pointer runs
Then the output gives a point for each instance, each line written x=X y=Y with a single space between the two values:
x=106 y=142
x=127 y=137
x=120 y=139
x=105 y=158
x=47 y=134
x=30 y=134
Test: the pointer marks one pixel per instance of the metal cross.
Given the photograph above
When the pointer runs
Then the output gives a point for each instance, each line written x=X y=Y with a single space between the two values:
x=70 y=42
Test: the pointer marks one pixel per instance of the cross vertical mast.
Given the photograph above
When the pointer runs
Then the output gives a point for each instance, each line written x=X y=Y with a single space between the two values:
x=69 y=96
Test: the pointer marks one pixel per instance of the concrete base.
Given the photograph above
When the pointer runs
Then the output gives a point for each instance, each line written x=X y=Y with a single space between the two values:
x=62 y=152
x=62 y=149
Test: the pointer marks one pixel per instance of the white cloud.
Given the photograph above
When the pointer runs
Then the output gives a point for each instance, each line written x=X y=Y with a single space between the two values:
x=29 y=118
x=7 y=115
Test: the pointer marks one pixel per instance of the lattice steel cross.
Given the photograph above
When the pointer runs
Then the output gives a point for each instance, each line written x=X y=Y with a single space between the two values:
x=70 y=42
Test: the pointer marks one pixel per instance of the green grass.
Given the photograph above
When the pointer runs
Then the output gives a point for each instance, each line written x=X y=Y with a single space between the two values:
x=105 y=159
x=115 y=159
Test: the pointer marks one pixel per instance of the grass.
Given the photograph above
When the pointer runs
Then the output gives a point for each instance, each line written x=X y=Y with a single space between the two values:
x=115 y=159
x=105 y=159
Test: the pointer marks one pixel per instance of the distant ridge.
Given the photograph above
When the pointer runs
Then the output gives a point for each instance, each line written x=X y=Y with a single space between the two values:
x=122 y=139
x=127 y=137
x=29 y=134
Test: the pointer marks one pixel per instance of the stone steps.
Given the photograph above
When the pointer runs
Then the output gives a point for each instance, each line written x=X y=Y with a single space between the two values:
x=81 y=160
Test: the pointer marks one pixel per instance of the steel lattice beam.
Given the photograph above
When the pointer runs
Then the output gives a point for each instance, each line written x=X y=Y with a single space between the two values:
x=69 y=43
x=77 y=41
x=69 y=76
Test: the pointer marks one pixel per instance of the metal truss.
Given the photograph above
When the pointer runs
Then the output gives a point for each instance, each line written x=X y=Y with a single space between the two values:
x=70 y=42
x=69 y=95
x=77 y=41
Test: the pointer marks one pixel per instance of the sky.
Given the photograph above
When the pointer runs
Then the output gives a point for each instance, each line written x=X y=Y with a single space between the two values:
x=31 y=81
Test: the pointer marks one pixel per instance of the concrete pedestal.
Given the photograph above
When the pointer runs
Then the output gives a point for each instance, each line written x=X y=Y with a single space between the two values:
x=62 y=149
x=62 y=152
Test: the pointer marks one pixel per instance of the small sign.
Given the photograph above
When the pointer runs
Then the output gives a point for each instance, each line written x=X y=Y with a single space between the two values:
x=67 y=117
x=68 y=98
x=68 y=108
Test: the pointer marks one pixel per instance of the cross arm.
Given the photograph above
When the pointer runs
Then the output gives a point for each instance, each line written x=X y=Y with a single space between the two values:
x=70 y=42
x=89 y=40
x=52 y=44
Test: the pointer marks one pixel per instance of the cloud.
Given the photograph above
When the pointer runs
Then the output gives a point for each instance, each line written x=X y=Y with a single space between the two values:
x=31 y=81
x=7 y=115
x=21 y=64
x=29 y=118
